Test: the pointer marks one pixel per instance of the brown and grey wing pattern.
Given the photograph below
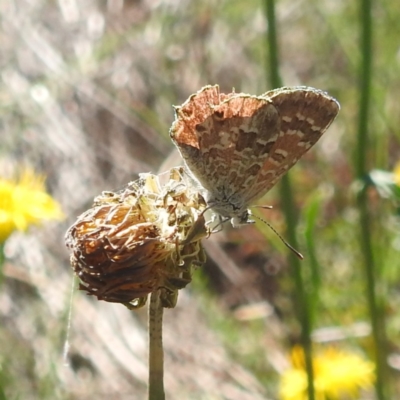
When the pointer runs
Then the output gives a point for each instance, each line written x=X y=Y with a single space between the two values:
x=226 y=148
x=237 y=146
x=305 y=114
x=235 y=143
x=183 y=133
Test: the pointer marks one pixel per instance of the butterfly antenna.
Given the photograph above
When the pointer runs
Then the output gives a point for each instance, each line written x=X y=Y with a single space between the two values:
x=298 y=254
x=264 y=207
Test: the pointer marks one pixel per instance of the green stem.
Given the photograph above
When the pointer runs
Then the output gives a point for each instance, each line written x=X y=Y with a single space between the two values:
x=272 y=44
x=362 y=200
x=301 y=297
x=156 y=353
x=301 y=300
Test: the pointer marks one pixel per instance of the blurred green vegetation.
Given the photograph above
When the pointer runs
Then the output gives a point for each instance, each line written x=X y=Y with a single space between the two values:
x=85 y=97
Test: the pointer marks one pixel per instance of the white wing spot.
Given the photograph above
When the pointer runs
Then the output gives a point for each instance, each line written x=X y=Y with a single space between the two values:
x=300 y=117
x=270 y=140
x=282 y=152
x=221 y=145
x=224 y=138
x=266 y=173
x=275 y=162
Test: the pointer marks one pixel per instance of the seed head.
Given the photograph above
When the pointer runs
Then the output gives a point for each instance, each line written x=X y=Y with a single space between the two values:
x=144 y=238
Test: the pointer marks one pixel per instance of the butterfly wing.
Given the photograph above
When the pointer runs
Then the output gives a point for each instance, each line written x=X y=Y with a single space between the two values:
x=305 y=114
x=225 y=140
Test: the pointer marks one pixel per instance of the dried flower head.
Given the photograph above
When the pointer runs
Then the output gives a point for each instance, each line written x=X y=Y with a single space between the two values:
x=144 y=238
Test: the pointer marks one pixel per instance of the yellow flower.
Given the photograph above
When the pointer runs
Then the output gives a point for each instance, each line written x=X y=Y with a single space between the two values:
x=337 y=375
x=396 y=173
x=24 y=202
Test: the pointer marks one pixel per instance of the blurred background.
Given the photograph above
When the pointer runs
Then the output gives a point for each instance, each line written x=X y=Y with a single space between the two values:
x=86 y=95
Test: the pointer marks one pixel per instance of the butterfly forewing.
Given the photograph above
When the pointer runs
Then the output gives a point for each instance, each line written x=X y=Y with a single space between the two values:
x=194 y=111
x=231 y=142
x=239 y=152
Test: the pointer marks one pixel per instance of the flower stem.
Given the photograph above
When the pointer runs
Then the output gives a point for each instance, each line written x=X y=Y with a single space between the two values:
x=286 y=196
x=362 y=200
x=156 y=353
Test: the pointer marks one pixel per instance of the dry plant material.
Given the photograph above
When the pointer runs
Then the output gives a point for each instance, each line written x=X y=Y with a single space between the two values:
x=144 y=238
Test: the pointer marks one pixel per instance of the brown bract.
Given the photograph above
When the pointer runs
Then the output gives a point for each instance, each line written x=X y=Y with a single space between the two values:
x=141 y=239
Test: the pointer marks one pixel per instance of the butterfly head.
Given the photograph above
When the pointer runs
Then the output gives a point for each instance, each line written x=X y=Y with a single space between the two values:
x=230 y=208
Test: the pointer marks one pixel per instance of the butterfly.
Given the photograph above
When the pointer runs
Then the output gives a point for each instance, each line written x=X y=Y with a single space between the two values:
x=237 y=146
